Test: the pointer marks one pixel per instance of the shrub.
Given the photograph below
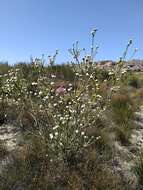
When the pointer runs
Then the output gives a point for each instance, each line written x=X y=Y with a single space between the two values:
x=123 y=134
x=122 y=111
x=122 y=115
x=134 y=82
x=4 y=68
x=63 y=109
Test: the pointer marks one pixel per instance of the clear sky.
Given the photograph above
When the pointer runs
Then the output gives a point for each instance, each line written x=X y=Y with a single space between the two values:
x=35 y=27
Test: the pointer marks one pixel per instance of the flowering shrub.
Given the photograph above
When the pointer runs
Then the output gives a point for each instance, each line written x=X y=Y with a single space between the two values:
x=61 y=122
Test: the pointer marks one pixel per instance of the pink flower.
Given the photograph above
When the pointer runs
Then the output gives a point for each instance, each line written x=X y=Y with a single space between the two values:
x=61 y=90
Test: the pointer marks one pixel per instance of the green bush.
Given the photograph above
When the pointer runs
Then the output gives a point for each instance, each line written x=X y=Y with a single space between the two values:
x=134 y=82
x=122 y=114
x=122 y=108
x=4 y=68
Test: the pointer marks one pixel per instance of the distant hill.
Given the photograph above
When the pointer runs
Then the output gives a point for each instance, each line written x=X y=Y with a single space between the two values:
x=133 y=65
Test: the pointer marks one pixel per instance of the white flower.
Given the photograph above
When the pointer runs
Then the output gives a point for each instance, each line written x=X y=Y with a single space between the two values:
x=40 y=106
x=56 y=133
x=78 y=99
x=82 y=133
x=52 y=83
x=69 y=89
x=46 y=97
x=53 y=76
x=51 y=136
x=63 y=122
x=124 y=71
x=91 y=76
x=56 y=126
x=111 y=73
x=83 y=106
x=52 y=90
x=40 y=93
x=61 y=118
x=76 y=131
x=34 y=83
x=98 y=96
x=97 y=138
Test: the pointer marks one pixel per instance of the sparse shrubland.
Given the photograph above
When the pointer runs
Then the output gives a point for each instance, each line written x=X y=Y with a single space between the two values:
x=69 y=117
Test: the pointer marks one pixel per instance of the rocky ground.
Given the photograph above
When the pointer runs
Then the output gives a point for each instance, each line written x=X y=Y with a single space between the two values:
x=8 y=135
x=126 y=155
x=10 y=138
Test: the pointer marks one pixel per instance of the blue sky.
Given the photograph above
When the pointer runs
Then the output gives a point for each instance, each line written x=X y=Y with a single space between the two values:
x=35 y=27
